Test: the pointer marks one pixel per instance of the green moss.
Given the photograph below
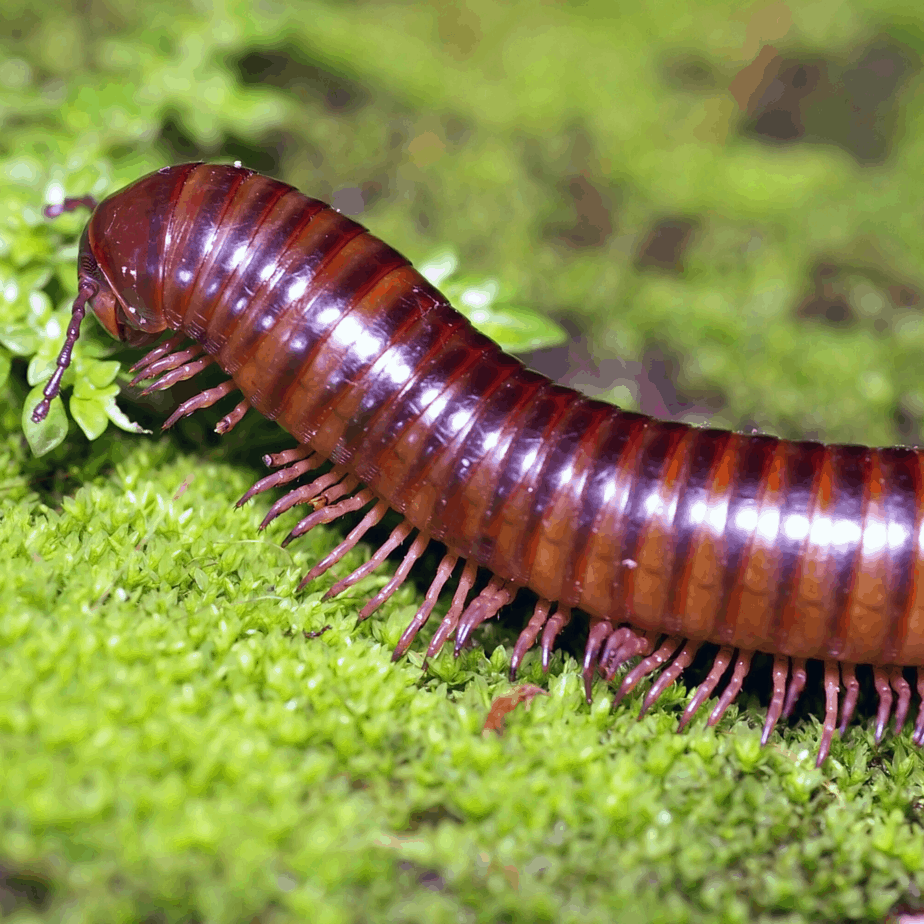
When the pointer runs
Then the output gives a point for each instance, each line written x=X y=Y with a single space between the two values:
x=176 y=742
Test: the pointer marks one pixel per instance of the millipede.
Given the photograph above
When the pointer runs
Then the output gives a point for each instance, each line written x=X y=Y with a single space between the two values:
x=667 y=536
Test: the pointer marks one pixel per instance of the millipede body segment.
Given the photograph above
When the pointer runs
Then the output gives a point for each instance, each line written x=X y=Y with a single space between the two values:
x=666 y=535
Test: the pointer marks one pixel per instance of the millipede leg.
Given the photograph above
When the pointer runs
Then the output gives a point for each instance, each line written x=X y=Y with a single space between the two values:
x=304 y=494
x=288 y=456
x=497 y=594
x=230 y=421
x=881 y=682
x=849 y=702
x=165 y=363
x=282 y=476
x=367 y=522
x=796 y=686
x=918 y=737
x=832 y=690
x=553 y=627
x=901 y=687
x=780 y=673
x=704 y=690
x=669 y=675
x=204 y=399
x=600 y=631
x=413 y=553
x=623 y=645
x=451 y=619
x=667 y=650
x=160 y=350
x=398 y=535
x=742 y=666
x=443 y=571
x=180 y=374
x=528 y=636
x=330 y=513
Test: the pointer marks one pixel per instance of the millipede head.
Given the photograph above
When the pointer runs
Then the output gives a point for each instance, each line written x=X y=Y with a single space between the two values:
x=96 y=292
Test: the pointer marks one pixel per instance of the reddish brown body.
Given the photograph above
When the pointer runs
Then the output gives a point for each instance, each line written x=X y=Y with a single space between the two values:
x=798 y=549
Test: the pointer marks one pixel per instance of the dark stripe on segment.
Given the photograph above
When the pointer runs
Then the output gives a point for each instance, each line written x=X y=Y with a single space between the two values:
x=598 y=432
x=274 y=228
x=251 y=206
x=557 y=475
x=805 y=466
x=606 y=490
x=904 y=505
x=851 y=469
x=528 y=446
x=282 y=284
x=380 y=390
x=689 y=520
x=483 y=454
x=385 y=315
x=449 y=433
x=742 y=526
x=198 y=213
x=342 y=280
x=427 y=385
x=160 y=244
x=647 y=501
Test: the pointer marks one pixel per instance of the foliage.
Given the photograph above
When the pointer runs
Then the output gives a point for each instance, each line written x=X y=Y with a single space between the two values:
x=174 y=747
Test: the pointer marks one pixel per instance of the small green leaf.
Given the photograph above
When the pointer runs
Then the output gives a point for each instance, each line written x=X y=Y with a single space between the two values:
x=83 y=389
x=40 y=369
x=120 y=420
x=102 y=374
x=43 y=436
x=90 y=414
x=19 y=339
x=517 y=330
x=5 y=366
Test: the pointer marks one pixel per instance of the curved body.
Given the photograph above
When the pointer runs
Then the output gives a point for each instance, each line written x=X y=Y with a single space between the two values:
x=798 y=549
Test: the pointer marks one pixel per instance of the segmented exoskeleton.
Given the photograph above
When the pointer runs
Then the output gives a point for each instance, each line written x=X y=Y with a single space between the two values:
x=667 y=535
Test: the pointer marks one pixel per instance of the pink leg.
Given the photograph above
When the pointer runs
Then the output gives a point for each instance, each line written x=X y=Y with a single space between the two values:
x=230 y=421
x=740 y=671
x=443 y=572
x=288 y=456
x=528 y=636
x=553 y=627
x=918 y=737
x=303 y=494
x=398 y=535
x=780 y=673
x=670 y=674
x=204 y=399
x=667 y=650
x=166 y=363
x=335 y=511
x=852 y=687
x=796 y=686
x=704 y=690
x=623 y=645
x=413 y=553
x=180 y=374
x=368 y=521
x=162 y=350
x=832 y=690
x=497 y=594
x=881 y=682
x=451 y=619
x=282 y=476
x=900 y=685
x=600 y=631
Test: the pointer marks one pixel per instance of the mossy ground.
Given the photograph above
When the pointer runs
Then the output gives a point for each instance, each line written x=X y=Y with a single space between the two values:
x=182 y=738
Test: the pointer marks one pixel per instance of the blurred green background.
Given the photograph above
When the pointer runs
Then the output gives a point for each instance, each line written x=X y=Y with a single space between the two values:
x=720 y=202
